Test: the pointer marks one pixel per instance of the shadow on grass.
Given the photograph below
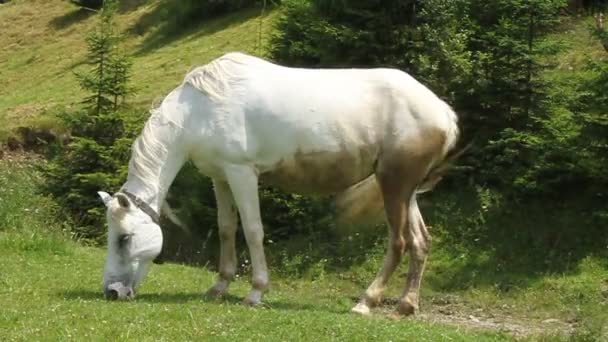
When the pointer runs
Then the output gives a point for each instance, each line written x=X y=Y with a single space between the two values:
x=164 y=297
x=510 y=246
x=183 y=297
x=166 y=30
x=130 y=5
x=71 y=18
x=187 y=297
x=477 y=243
x=82 y=294
x=291 y=306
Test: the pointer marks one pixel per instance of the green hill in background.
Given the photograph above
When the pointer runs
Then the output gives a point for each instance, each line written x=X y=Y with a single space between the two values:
x=43 y=43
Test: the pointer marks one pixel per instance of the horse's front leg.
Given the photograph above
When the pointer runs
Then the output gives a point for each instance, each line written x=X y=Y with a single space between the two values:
x=243 y=181
x=227 y=221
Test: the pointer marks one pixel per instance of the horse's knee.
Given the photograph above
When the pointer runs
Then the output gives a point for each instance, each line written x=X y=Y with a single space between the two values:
x=398 y=246
x=260 y=282
x=227 y=232
x=419 y=248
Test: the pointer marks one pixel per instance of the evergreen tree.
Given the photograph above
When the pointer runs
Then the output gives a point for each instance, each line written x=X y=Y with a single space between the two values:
x=101 y=132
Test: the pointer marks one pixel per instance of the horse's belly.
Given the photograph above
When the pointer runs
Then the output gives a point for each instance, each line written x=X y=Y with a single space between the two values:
x=320 y=172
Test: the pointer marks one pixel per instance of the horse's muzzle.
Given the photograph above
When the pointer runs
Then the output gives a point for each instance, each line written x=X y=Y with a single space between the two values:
x=117 y=291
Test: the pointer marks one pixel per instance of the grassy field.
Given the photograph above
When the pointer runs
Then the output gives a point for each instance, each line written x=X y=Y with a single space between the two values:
x=50 y=289
x=44 y=43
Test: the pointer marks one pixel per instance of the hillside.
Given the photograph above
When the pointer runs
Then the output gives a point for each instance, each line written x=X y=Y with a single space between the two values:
x=44 y=43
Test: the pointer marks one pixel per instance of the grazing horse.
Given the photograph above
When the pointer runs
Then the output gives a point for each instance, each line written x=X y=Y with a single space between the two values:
x=242 y=120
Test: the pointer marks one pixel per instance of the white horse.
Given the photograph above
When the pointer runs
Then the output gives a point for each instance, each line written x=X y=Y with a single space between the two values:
x=243 y=120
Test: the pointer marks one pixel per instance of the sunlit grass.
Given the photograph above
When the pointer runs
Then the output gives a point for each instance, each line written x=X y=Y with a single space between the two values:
x=44 y=43
x=50 y=288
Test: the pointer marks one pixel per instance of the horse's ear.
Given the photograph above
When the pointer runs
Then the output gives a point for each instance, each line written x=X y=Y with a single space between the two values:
x=123 y=200
x=105 y=197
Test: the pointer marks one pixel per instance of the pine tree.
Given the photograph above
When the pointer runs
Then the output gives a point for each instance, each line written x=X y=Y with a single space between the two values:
x=97 y=156
x=110 y=70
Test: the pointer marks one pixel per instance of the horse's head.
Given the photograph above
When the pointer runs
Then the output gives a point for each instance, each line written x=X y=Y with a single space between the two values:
x=134 y=240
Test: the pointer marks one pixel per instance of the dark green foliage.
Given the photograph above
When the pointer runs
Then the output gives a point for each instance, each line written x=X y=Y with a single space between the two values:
x=414 y=36
x=483 y=57
x=508 y=97
x=329 y=33
x=96 y=158
x=285 y=217
x=535 y=138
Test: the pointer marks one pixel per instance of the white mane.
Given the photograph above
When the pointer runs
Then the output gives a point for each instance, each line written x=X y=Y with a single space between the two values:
x=148 y=152
x=215 y=78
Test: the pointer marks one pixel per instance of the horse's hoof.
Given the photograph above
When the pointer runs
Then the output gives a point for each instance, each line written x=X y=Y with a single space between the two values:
x=251 y=302
x=214 y=293
x=254 y=298
x=361 y=309
x=406 y=308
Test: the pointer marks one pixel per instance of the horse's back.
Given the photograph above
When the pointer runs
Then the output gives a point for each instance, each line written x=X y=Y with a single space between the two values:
x=314 y=130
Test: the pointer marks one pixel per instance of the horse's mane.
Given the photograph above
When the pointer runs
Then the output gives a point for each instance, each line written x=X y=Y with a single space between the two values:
x=215 y=78
x=147 y=151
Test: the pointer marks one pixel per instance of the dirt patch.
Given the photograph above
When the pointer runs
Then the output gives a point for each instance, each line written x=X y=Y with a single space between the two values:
x=31 y=139
x=20 y=157
x=453 y=310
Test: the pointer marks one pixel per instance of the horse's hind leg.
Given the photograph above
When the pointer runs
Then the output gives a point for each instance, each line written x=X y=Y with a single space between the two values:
x=396 y=217
x=418 y=240
x=397 y=182
x=227 y=220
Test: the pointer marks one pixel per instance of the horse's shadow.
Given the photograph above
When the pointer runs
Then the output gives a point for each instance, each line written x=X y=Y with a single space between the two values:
x=188 y=297
x=182 y=297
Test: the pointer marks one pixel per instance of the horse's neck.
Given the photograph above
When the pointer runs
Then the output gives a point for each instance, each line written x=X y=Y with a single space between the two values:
x=157 y=156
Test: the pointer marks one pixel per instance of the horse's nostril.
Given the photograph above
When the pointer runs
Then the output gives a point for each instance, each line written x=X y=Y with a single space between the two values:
x=111 y=294
x=117 y=291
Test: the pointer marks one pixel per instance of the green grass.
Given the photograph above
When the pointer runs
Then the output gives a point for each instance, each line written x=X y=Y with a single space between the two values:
x=50 y=289
x=56 y=295
x=44 y=43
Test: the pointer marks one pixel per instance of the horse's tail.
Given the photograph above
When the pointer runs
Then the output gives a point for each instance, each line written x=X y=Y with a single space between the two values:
x=449 y=154
x=363 y=201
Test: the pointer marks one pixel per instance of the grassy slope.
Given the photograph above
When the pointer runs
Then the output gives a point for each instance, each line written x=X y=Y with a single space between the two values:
x=44 y=42
x=50 y=289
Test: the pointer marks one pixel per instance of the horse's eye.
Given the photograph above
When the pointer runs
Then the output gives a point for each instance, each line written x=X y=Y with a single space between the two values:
x=123 y=240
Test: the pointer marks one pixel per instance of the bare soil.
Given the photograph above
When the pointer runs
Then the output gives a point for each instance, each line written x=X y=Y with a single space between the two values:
x=454 y=311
